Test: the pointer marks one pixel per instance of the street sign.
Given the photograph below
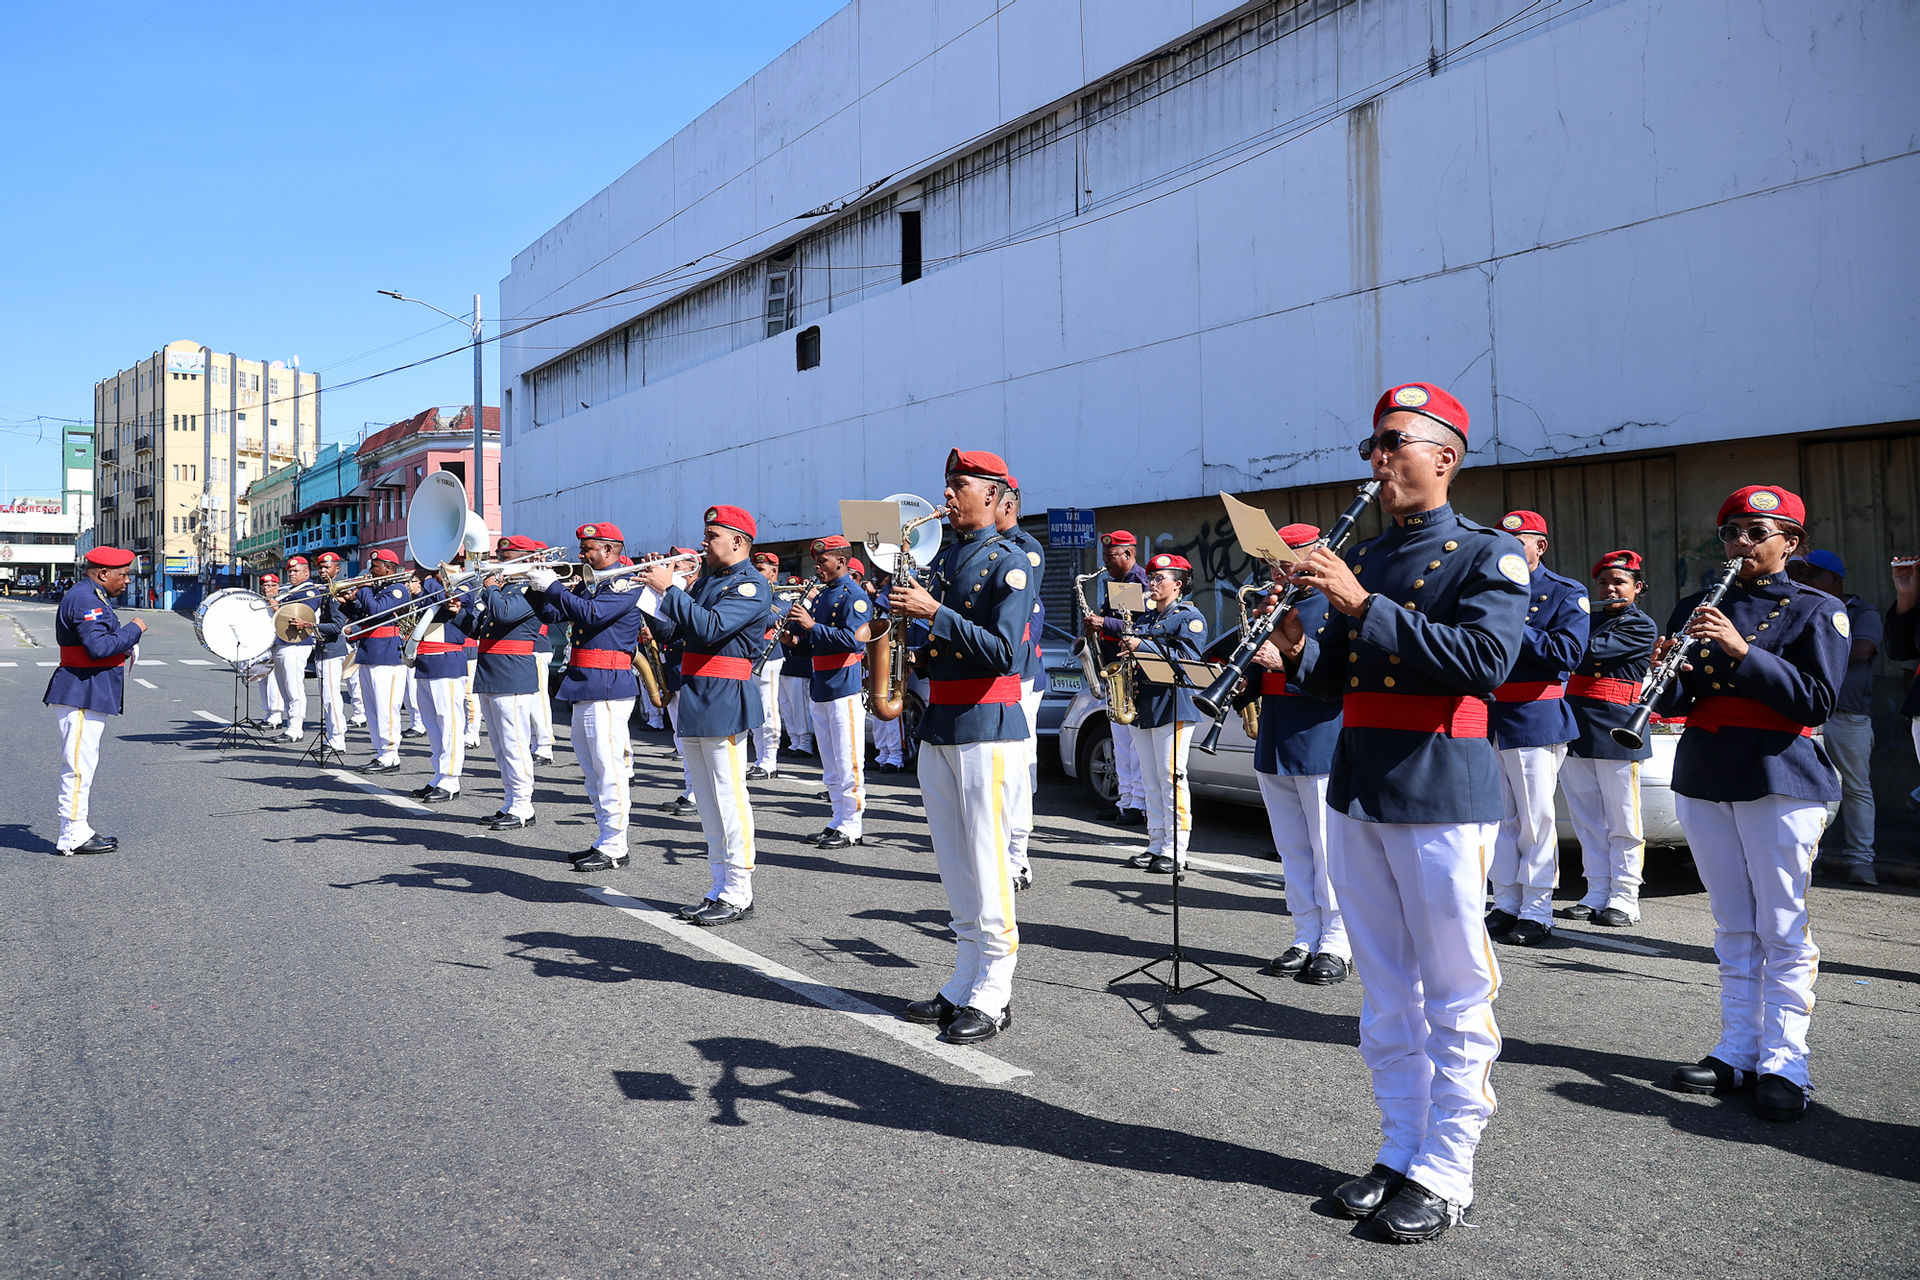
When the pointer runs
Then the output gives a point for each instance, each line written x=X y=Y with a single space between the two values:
x=1070 y=527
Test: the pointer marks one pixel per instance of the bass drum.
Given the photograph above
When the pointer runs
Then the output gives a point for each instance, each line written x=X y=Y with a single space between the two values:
x=235 y=624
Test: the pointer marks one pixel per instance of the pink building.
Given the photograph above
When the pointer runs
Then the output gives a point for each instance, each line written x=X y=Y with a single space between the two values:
x=393 y=461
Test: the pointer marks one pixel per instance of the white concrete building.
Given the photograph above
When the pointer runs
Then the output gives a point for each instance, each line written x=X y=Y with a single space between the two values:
x=1150 y=250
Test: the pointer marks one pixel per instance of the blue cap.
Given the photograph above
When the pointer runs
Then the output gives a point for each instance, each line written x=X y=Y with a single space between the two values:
x=1829 y=561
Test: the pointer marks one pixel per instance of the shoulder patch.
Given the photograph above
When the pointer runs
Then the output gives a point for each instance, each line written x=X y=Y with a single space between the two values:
x=1033 y=558
x=1514 y=568
x=1842 y=623
x=1196 y=625
x=102 y=594
x=859 y=606
x=749 y=589
x=1017 y=579
x=1586 y=605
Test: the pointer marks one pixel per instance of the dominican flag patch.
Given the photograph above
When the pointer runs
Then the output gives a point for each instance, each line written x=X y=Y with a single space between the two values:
x=92 y=615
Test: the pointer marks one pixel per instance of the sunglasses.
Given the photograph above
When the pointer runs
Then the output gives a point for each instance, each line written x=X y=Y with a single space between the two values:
x=1753 y=534
x=1163 y=577
x=1391 y=441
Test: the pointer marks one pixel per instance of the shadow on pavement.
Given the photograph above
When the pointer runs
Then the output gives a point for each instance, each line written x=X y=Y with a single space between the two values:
x=18 y=835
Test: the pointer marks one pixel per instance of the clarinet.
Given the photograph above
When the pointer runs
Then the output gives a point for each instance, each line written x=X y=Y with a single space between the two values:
x=1633 y=734
x=780 y=624
x=1217 y=701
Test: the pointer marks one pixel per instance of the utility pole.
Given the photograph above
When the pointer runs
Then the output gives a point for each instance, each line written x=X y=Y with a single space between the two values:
x=477 y=490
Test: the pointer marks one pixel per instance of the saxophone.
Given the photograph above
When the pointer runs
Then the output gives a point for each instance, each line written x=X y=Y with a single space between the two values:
x=649 y=665
x=1116 y=679
x=887 y=647
x=1249 y=710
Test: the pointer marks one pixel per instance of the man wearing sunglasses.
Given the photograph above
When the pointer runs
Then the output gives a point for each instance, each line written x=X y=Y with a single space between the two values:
x=1425 y=623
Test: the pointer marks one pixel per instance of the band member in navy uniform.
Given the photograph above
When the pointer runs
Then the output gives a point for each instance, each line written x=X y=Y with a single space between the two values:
x=378 y=652
x=1751 y=786
x=971 y=740
x=330 y=658
x=889 y=736
x=1532 y=725
x=604 y=628
x=1600 y=778
x=672 y=647
x=837 y=625
x=501 y=619
x=1117 y=552
x=440 y=665
x=721 y=622
x=541 y=741
x=89 y=685
x=290 y=656
x=1033 y=684
x=766 y=735
x=272 y=701
x=1163 y=731
x=1426 y=623
x=1292 y=757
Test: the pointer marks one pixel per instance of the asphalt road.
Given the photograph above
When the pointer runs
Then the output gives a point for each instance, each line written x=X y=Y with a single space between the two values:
x=295 y=1029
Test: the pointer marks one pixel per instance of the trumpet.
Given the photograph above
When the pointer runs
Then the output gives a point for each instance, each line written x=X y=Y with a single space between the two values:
x=1633 y=734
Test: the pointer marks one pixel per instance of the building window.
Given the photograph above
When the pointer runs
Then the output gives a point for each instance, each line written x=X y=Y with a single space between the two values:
x=806 y=348
x=909 y=247
x=783 y=294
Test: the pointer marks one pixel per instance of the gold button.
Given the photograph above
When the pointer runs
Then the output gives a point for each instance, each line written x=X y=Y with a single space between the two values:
x=992 y=555
x=1534 y=609
x=1432 y=565
x=968 y=605
x=1751 y=639
x=1716 y=684
x=1709 y=670
x=1322 y=627
x=1419 y=583
x=1394 y=658
x=1763 y=626
x=1363 y=550
x=1411 y=605
x=976 y=586
x=1449 y=546
x=933 y=653
x=1354 y=683
x=983 y=573
x=1774 y=614
x=1388 y=682
x=1353 y=657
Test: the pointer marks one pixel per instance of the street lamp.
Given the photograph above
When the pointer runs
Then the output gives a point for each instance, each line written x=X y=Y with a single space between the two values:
x=479 y=476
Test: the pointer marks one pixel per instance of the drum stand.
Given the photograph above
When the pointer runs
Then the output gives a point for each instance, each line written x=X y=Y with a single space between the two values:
x=1177 y=957
x=238 y=732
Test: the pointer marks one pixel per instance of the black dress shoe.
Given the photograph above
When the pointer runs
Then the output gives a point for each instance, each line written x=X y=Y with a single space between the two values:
x=1292 y=960
x=1578 y=911
x=1115 y=814
x=937 y=1010
x=1142 y=860
x=94 y=844
x=1613 y=918
x=1498 y=921
x=420 y=793
x=1362 y=1197
x=818 y=836
x=1133 y=817
x=1778 y=1098
x=507 y=822
x=1527 y=933
x=435 y=795
x=680 y=806
x=970 y=1026
x=1161 y=866
x=693 y=909
x=1710 y=1075
x=577 y=858
x=721 y=912
x=756 y=773
x=1415 y=1214
x=374 y=766
x=599 y=861
x=836 y=840
x=1022 y=882
x=1324 y=970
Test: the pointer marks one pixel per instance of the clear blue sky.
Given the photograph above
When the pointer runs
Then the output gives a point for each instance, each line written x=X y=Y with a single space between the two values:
x=248 y=176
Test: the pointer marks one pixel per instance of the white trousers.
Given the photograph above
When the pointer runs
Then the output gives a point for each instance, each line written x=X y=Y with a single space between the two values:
x=1754 y=856
x=963 y=789
x=680 y=745
x=290 y=675
x=796 y=711
x=1020 y=816
x=351 y=679
x=1412 y=896
x=80 y=733
x=510 y=726
x=411 y=693
x=542 y=732
x=444 y=711
x=333 y=712
x=1526 y=857
x=766 y=735
x=1849 y=740
x=603 y=745
x=889 y=741
x=470 y=718
x=1603 y=803
x=717 y=774
x=384 y=689
x=273 y=703
x=1297 y=814
x=1163 y=777
x=1126 y=769
x=840 y=730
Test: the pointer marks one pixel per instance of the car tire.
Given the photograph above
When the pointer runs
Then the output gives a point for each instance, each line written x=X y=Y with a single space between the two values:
x=1094 y=761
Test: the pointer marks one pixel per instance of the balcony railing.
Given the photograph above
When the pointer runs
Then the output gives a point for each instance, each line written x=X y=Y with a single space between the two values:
x=110 y=499
x=109 y=455
x=142 y=492
x=144 y=444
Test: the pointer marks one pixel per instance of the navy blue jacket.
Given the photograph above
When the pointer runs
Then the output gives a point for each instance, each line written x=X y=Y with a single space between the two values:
x=1177 y=632
x=1902 y=647
x=1798 y=640
x=985 y=586
x=724 y=617
x=1297 y=733
x=1449 y=604
x=1554 y=638
x=839 y=611
x=503 y=621
x=384 y=648
x=603 y=619
x=1620 y=647
x=92 y=674
x=443 y=648
x=330 y=620
x=307 y=593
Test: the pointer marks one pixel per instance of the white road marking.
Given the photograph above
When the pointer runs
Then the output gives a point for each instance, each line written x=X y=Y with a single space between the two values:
x=144 y=684
x=9 y=664
x=46 y=664
x=208 y=715
x=195 y=662
x=1615 y=943
x=372 y=789
x=973 y=1061
x=149 y=662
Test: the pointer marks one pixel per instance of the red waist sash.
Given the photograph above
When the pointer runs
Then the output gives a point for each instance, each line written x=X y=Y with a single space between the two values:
x=1530 y=691
x=1457 y=717
x=715 y=666
x=985 y=691
x=1602 y=689
x=74 y=655
x=1273 y=682
x=428 y=648
x=1714 y=714
x=837 y=661
x=382 y=633
x=602 y=659
x=512 y=648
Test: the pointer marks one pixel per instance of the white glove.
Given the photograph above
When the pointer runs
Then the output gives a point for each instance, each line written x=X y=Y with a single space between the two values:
x=624 y=585
x=541 y=579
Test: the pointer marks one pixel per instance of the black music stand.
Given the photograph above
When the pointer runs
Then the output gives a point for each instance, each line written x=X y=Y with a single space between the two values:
x=1188 y=673
x=239 y=731
x=318 y=753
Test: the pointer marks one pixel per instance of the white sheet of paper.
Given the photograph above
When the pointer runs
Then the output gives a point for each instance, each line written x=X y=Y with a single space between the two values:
x=650 y=602
x=1255 y=533
x=1129 y=596
x=874 y=523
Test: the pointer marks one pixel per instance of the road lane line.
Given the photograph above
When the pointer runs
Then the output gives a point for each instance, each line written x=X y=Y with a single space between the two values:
x=149 y=662
x=208 y=715
x=46 y=664
x=195 y=662
x=973 y=1061
x=1614 y=943
x=9 y=664
x=145 y=684
x=374 y=789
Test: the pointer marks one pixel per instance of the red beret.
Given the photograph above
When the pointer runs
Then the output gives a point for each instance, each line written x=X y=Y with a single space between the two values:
x=1299 y=535
x=1767 y=500
x=521 y=542
x=109 y=558
x=685 y=551
x=765 y=557
x=832 y=542
x=385 y=556
x=296 y=560
x=853 y=563
x=1118 y=538
x=735 y=518
x=1013 y=484
x=606 y=532
x=625 y=561
x=977 y=462
x=1426 y=400
x=793 y=579
x=1524 y=522
x=1628 y=560
x=327 y=557
x=1167 y=561
x=265 y=578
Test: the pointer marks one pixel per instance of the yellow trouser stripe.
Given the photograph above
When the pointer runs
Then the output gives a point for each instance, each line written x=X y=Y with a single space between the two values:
x=736 y=778
x=996 y=797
